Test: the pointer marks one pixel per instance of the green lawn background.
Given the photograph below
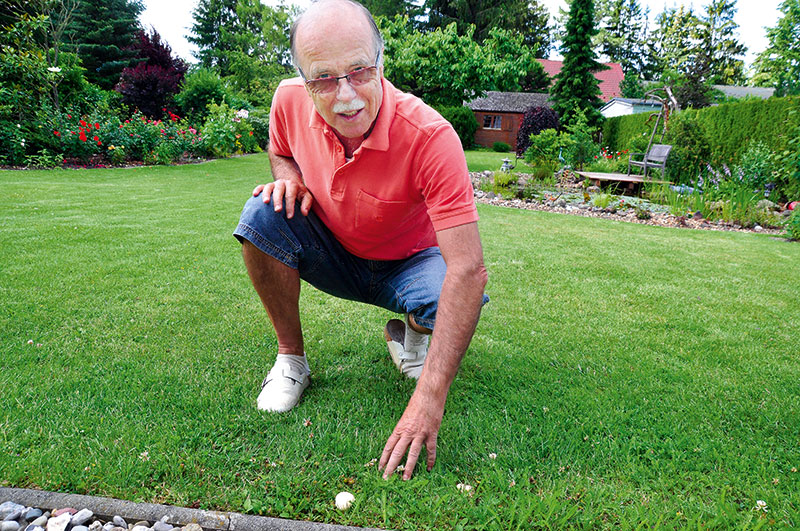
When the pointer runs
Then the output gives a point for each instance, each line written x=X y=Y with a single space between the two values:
x=623 y=374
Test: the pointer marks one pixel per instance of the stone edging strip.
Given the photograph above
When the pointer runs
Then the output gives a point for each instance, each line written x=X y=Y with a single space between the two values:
x=106 y=508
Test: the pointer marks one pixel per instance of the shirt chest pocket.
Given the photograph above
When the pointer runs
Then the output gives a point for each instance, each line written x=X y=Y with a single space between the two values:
x=377 y=217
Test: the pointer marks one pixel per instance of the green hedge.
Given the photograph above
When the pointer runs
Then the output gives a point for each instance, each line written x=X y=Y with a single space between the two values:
x=728 y=128
x=717 y=135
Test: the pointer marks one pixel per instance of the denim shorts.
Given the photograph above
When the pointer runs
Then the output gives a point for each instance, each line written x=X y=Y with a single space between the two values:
x=411 y=285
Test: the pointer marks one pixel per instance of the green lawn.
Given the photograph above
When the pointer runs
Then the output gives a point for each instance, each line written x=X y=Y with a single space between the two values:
x=624 y=375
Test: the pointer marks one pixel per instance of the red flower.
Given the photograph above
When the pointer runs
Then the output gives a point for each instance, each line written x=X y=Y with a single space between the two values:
x=84 y=124
x=96 y=125
x=69 y=116
x=99 y=143
x=96 y=138
x=56 y=133
x=82 y=136
x=251 y=133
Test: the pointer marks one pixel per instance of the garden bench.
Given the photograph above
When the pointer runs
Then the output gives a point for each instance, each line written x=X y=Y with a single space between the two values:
x=656 y=157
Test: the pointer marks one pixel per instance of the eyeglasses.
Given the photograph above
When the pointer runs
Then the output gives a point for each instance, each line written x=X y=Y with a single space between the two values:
x=359 y=76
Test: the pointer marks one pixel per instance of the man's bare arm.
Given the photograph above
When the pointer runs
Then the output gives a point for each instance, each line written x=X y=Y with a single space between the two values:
x=287 y=187
x=456 y=318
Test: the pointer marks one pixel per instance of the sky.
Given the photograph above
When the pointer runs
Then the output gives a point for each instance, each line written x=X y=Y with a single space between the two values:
x=173 y=20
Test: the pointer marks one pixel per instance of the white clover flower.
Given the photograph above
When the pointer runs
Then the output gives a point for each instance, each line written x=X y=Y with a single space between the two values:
x=144 y=456
x=54 y=69
x=492 y=455
x=463 y=487
x=761 y=505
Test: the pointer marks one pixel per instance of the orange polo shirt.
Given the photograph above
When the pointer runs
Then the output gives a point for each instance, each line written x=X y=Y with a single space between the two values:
x=407 y=180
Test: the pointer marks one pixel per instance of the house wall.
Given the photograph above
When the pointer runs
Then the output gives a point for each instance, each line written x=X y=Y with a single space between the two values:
x=511 y=122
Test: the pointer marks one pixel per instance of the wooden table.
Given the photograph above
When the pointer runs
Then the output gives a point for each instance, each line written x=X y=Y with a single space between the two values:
x=631 y=181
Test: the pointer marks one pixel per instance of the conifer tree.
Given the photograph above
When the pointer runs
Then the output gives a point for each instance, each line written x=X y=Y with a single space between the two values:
x=719 y=43
x=622 y=34
x=212 y=19
x=101 y=33
x=576 y=88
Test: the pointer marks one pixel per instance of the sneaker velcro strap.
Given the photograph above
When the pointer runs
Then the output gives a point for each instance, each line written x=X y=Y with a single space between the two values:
x=286 y=372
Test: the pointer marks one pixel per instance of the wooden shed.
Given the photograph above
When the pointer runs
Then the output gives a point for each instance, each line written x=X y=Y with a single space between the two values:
x=499 y=115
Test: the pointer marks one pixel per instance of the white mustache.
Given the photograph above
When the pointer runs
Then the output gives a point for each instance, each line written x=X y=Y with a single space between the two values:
x=350 y=106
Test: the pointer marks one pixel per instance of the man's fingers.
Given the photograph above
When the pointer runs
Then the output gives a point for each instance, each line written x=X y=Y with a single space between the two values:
x=305 y=204
x=289 y=198
x=395 y=457
x=257 y=190
x=430 y=449
x=387 y=450
x=413 y=456
x=278 y=189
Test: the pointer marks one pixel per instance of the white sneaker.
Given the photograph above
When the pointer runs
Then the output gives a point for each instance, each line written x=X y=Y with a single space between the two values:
x=407 y=347
x=282 y=388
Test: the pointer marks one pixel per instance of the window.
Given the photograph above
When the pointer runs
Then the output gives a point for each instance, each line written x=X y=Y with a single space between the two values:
x=492 y=122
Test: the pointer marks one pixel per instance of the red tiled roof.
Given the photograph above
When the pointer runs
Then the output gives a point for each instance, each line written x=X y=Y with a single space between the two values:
x=609 y=79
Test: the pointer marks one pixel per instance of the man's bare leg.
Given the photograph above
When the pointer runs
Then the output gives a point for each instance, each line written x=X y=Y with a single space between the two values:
x=278 y=286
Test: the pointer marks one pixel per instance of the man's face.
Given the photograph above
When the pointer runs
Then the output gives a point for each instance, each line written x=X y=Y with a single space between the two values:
x=328 y=48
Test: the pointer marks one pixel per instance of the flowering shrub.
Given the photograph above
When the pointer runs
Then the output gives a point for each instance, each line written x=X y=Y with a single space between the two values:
x=609 y=161
x=227 y=131
x=793 y=225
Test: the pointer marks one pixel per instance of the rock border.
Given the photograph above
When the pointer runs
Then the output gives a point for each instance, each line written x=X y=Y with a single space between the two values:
x=657 y=219
x=106 y=508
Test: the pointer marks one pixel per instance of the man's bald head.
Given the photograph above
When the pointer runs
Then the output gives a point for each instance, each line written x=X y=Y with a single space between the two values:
x=323 y=9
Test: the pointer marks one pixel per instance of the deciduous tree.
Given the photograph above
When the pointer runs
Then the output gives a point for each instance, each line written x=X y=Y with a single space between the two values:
x=720 y=45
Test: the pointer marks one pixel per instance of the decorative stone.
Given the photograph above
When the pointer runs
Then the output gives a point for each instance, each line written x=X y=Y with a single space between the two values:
x=162 y=526
x=192 y=527
x=80 y=528
x=9 y=525
x=120 y=522
x=108 y=526
x=117 y=528
x=59 y=522
x=9 y=507
x=140 y=528
x=40 y=522
x=32 y=514
x=63 y=510
x=32 y=527
x=81 y=517
x=15 y=515
x=142 y=523
x=95 y=526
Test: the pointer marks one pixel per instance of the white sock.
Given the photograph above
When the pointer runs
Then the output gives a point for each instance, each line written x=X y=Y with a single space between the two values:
x=414 y=341
x=299 y=363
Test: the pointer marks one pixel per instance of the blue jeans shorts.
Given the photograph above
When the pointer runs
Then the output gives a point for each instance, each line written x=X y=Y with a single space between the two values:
x=411 y=285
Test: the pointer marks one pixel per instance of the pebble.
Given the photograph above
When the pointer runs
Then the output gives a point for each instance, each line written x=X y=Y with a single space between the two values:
x=64 y=510
x=81 y=517
x=59 y=523
x=108 y=526
x=140 y=528
x=14 y=515
x=32 y=514
x=162 y=526
x=95 y=526
x=142 y=523
x=9 y=507
x=40 y=522
x=32 y=527
x=192 y=527
x=80 y=528
x=9 y=525
x=120 y=522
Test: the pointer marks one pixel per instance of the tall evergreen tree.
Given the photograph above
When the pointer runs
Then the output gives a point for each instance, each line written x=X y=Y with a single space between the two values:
x=622 y=34
x=779 y=65
x=576 y=88
x=392 y=8
x=718 y=41
x=211 y=19
x=101 y=33
x=673 y=43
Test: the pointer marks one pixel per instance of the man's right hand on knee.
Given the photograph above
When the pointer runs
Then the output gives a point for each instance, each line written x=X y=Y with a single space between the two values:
x=286 y=191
